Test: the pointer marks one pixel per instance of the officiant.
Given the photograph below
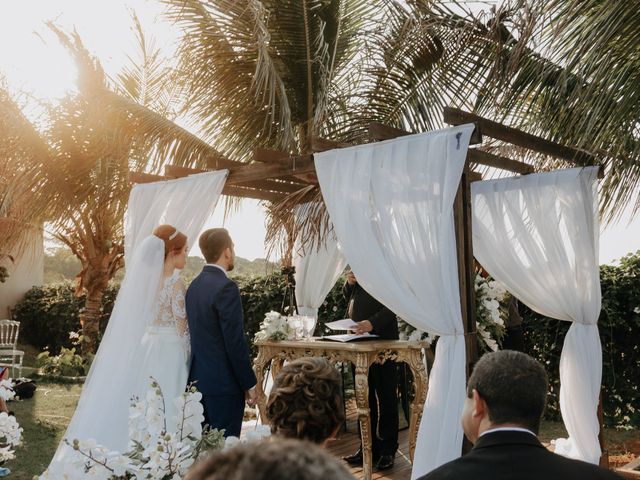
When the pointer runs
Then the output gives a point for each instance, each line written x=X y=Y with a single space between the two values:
x=373 y=317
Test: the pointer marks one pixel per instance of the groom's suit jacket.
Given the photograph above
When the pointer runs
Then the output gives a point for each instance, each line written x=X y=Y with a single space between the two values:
x=513 y=455
x=220 y=361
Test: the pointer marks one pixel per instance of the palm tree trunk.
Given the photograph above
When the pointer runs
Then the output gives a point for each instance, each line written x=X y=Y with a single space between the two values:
x=95 y=283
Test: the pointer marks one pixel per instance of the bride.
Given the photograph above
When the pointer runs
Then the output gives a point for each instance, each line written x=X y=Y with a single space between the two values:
x=147 y=336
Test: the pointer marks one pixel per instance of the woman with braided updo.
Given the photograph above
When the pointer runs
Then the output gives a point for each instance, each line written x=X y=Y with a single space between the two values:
x=306 y=401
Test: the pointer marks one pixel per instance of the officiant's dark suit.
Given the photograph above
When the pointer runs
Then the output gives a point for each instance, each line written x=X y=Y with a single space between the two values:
x=383 y=378
x=220 y=361
x=506 y=396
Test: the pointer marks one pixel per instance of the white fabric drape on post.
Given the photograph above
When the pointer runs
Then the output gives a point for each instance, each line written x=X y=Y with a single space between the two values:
x=538 y=235
x=317 y=269
x=391 y=204
x=186 y=203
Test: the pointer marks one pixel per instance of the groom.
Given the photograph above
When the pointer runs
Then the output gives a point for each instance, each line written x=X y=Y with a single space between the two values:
x=220 y=363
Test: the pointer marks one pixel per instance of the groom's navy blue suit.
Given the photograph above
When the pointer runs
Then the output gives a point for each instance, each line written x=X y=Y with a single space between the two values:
x=220 y=361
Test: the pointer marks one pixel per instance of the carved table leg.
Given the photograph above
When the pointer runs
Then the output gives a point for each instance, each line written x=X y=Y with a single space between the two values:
x=276 y=366
x=259 y=364
x=420 y=382
x=362 y=403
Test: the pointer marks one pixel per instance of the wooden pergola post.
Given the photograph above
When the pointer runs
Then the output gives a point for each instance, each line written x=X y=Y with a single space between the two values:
x=466 y=271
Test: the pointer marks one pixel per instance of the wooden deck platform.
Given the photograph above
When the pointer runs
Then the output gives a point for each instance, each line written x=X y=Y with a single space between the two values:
x=348 y=442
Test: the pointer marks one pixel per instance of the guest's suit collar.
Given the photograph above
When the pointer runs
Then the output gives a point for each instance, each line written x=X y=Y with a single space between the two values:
x=507 y=437
x=212 y=267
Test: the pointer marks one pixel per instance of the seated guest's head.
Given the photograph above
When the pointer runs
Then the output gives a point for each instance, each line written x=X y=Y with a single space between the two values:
x=306 y=401
x=270 y=459
x=506 y=389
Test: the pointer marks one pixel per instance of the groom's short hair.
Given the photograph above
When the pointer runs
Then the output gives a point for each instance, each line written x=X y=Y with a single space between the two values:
x=213 y=242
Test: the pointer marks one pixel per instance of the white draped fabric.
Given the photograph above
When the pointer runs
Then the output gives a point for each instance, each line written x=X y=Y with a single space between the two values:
x=186 y=203
x=391 y=204
x=317 y=269
x=538 y=235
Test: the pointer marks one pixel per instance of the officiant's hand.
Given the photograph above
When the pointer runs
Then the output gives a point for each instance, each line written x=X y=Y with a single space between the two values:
x=363 y=327
x=251 y=396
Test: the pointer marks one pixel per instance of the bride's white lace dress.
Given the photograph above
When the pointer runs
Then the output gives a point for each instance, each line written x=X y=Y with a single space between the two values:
x=147 y=336
x=165 y=347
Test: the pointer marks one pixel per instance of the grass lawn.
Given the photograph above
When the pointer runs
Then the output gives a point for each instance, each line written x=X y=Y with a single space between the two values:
x=45 y=417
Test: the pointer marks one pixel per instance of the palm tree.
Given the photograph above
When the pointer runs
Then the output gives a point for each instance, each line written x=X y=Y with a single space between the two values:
x=22 y=153
x=85 y=184
x=281 y=73
x=571 y=73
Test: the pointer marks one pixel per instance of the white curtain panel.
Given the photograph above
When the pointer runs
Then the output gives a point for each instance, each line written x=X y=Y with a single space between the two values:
x=391 y=204
x=538 y=235
x=317 y=270
x=186 y=203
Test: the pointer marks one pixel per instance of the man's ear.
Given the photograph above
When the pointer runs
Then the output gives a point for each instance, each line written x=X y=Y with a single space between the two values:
x=479 y=405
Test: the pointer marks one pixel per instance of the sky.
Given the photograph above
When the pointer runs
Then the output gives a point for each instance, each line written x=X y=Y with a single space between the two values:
x=32 y=61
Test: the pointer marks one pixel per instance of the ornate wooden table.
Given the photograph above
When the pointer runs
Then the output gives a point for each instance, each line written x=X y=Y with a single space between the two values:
x=362 y=354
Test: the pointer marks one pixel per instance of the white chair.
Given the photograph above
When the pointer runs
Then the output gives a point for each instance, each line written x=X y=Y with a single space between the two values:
x=9 y=330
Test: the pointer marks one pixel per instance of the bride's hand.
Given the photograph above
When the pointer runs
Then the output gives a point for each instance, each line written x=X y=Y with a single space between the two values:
x=251 y=397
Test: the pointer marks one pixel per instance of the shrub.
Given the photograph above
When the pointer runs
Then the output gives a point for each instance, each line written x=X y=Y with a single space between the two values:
x=67 y=363
x=619 y=326
x=264 y=294
x=47 y=314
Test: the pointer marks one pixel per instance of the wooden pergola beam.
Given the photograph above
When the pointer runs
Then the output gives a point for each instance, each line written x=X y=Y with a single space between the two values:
x=295 y=165
x=267 y=185
x=497 y=161
x=455 y=116
x=268 y=155
x=230 y=190
x=379 y=131
x=319 y=144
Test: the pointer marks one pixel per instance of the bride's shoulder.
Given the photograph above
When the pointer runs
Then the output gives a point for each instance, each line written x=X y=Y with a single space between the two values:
x=176 y=282
x=173 y=281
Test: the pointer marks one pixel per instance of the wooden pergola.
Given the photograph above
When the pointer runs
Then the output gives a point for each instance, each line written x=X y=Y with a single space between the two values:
x=274 y=176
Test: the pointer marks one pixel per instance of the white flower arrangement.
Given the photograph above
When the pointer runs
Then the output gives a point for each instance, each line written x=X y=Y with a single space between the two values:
x=155 y=453
x=260 y=432
x=10 y=436
x=274 y=327
x=6 y=390
x=490 y=312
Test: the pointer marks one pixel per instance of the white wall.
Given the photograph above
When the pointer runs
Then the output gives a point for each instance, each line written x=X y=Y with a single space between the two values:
x=27 y=271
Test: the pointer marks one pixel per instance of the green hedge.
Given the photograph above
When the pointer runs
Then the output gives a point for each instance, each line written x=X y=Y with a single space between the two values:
x=263 y=294
x=49 y=313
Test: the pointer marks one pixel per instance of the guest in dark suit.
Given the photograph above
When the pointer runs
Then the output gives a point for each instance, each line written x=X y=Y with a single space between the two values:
x=373 y=317
x=220 y=362
x=506 y=396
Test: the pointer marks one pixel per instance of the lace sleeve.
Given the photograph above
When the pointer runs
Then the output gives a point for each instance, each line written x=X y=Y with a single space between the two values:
x=180 y=315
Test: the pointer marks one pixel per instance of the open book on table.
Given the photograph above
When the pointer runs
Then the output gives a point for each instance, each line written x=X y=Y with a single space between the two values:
x=349 y=337
x=346 y=324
